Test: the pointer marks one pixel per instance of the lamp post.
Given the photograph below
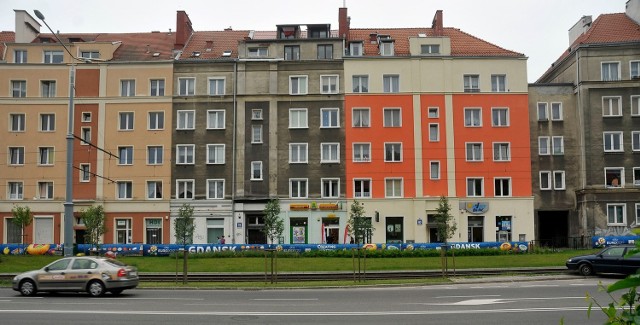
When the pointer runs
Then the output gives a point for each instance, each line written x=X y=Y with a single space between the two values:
x=68 y=204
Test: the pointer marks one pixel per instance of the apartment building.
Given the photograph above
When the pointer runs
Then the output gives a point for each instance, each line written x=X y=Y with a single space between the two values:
x=585 y=121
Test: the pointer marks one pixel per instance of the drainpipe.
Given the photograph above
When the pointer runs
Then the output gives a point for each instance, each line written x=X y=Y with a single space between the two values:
x=233 y=146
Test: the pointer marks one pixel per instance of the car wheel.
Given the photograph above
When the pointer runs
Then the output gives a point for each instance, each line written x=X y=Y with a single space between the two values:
x=28 y=288
x=116 y=292
x=95 y=288
x=586 y=269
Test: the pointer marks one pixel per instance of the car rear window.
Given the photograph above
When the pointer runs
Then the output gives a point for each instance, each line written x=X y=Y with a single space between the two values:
x=114 y=262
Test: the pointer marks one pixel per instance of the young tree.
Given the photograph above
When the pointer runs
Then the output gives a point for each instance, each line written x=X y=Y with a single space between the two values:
x=447 y=226
x=184 y=225
x=359 y=225
x=22 y=217
x=273 y=224
x=95 y=225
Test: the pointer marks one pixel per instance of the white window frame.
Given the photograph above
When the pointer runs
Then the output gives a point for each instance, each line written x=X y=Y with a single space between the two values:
x=356 y=49
x=396 y=148
x=186 y=120
x=391 y=183
x=258 y=52
x=498 y=184
x=635 y=105
x=635 y=140
x=433 y=112
x=20 y=56
x=390 y=83
x=544 y=150
x=302 y=185
x=256 y=166
x=392 y=117
x=362 y=194
x=611 y=106
x=217 y=195
x=554 y=141
x=18 y=88
x=187 y=184
x=216 y=119
x=156 y=87
x=360 y=83
x=86 y=117
x=471 y=83
x=182 y=154
x=50 y=125
x=329 y=118
x=497 y=118
x=18 y=194
x=219 y=154
x=359 y=154
x=636 y=176
x=17 y=122
x=125 y=193
x=330 y=152
x=298 y=153
x=85 y=174
x=47 y=187
x=473 y=117
x=330 y=183
x=471 y=151
x=434 y=132
x=545 y=174
x=156 y=122
x=48 y=88
x=615 y=221
x=157 y=192
x=361 y=117
x=634 y=69
x=499 y=83
x=127 y=87
x=18 y=152
x=387 y=48
x=471 y=191
x=637 y=213
x=434 y=170
x=606 y=74
x=186 y=86
x=556 y=111
x=217 y=86
x=53 y=56
x=498 y=153
x=298 y=118
x=298 y=85
x=562 y=185
x=329 y=84
x=256 y=114
x=46 y=156
x=256 y=133
x=543 y=111
x=126 y=121
x=157 y=153
x=608 y=141
x=125 y=155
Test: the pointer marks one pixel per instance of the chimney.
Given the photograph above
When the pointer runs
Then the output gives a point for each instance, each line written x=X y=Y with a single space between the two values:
x=437 y=25
x=27 y=28
x=183 y=29
x=579 y=28
x=633 y=10
x=343 y=23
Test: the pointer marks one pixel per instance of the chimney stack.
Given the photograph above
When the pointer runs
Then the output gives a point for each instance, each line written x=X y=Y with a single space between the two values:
x=343 y=23
x=437 y=25
x=183 y=30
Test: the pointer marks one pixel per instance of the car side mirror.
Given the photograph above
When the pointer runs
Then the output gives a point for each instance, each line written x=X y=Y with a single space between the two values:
x=46 y=269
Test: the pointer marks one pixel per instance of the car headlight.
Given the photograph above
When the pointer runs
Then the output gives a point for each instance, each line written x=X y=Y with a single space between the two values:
x=569 y=261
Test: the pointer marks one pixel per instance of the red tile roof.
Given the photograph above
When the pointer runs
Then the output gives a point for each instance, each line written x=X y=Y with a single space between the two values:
x=462 y=44
x=6 y=37
x=221 y=41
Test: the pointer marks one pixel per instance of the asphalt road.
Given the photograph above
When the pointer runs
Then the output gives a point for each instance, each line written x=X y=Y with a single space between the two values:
x=505 y=301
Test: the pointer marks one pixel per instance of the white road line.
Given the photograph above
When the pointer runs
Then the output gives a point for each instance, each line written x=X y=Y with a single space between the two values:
x=467 y=296
x=266 y=299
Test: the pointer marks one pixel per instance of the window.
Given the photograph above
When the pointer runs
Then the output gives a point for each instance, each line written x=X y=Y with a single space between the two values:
x=611 y=106
x=474 y=151
x=155 y=155
x=86 y=117
x=557 y=145
x=48 y=88
x=386 y=48
x=85 y=172
x=127 y=88
x=298 y=85
x=184 y=188
x=186 y=120
x=637 y=213
x=393 y=152
x=471 y=83
x=17 y=122
x=434 y=132
x=330 y=152
x=614 y=177
x=53 y=56
x=216 y=86
x=185 y=154
x=125 y=155
x=47 y=122
x=256 y=134
x=19 y=88
x=634 y=69
x=298 y=118
x=45 y=156
x=612 y=141
x=434 y=170
x=361 y=152
x=330 y=188
x=124 y=190
x=215 y=119
x=15 y=190
x=329 y=118
x=45 y=191
x=474 y=186
x=500 y=116
x=215 y=189
x=90 y=54
x=543 y=112
x=328 y=84
x=292 y=53
x=393 y=187
x=362 y=188
x=433 y=112
x=186 y=86
x=610 y=71
x=558 y=180
x=360 y=84
x=256 y=114
x=616 y=214
x=429 y=49
x=501 y=152
x=16 y=155
x=156 y=120
x=298 y=188
x=635 y=140
x=355 y=49
x=391 y=83
x=361 y=118
x=157 y=87
x=545 y=180
x=123 y=231
x=556 y=111
x=325 y=52
x=19 y=56
x=298 y=153
x=215 y=154
x=154 y=190
x=502 y=186
x=85 y=135
x=635 y=105
x=472 y=117
x=258 y=52
x=256 y=170
x=126 y=121
x=543 y=146
x=392 y=117
x=498 y=83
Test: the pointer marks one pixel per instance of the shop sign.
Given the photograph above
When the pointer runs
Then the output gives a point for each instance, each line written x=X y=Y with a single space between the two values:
x=475 y=207
x=328 y=206
x=299 y=206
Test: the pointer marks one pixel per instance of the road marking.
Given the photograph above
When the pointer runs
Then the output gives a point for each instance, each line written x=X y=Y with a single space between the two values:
x=467 y=296
x=540 y=285
x=266 y=299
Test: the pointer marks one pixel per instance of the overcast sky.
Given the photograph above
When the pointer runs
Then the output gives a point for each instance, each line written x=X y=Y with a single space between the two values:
x=537 y=28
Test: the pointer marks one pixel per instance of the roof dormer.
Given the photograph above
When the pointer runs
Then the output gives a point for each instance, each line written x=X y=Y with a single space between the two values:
x=288 y=31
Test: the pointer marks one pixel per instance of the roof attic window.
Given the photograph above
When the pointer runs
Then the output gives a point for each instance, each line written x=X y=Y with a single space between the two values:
x=226 y=53
x=288 y=32
x=195 y=54
x=429 y=49
x=45 y=39
x=318 y=31
x=156 y=54
x=386 y=48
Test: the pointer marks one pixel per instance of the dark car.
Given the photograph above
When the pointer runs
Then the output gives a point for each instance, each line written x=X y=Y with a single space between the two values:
x=610 y=260
x=94 y=275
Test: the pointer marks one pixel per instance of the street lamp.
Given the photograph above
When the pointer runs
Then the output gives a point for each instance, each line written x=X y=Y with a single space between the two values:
x=68 y=204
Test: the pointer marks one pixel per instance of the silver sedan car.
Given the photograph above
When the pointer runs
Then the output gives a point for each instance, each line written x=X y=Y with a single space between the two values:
x=95 y=275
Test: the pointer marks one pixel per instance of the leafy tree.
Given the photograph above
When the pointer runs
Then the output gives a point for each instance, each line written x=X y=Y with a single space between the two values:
x=446 y=225
x=94 y=221
x=359 y=225
x=22 y=217
x=273 y=224
x=184 y=225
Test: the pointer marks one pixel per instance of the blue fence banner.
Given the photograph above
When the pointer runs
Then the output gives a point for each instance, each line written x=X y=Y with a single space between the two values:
x=604 y=241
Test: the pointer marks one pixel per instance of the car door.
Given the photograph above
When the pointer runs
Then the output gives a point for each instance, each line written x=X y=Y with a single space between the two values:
x=82 y=270
x=53 y=276
x=609 y=260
